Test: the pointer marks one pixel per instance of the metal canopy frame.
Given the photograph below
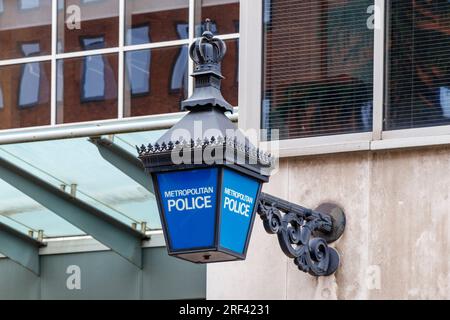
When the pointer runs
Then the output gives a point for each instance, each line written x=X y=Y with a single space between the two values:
x=119 y=237
x=20 y=248
x=124 y=161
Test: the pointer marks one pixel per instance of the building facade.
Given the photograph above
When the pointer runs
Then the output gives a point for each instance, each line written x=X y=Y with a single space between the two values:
x=352 y=96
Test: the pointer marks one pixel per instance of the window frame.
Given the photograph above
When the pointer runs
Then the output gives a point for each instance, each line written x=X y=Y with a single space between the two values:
x=250 y=97
x=123 y=122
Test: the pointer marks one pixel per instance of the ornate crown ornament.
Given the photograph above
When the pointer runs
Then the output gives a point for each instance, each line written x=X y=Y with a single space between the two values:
x=207 y=52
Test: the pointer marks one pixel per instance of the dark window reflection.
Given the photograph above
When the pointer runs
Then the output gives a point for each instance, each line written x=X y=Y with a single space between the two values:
x=419 y=69
x=83 y=19
x=161 y=98
x=223 y=14
x=24 y=22
x=318 y=67
x=179 y=74
x=28 y=4
x=87 y=87
x=230 y=85
x=93 y=78
x=1 y=99
x=24 y=95
x=30 y=80
x=138 y=62
x=162 y=17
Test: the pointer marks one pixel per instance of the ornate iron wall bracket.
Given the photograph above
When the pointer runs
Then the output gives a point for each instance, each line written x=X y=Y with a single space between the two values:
x=304 y=234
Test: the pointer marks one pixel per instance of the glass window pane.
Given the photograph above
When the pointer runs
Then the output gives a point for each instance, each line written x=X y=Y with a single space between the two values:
x=318 y=67
x=87 y=88
x=138 y=62
x=81 y=19
x=179 y=79
x=25 y=95
x=224 y=15
x=230 y=70
x=419 y=64
x=156 y=80
x=24 y=22
x=1 y=98
x=28 y=4
x=30 y=78
x=161 y=17
x=24 y=214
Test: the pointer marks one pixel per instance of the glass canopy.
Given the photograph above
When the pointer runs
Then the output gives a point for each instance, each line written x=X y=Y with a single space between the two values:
x=78 y=167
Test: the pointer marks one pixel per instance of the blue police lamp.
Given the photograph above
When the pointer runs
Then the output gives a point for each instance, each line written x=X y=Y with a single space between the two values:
x=207 y=178
x=207 y=175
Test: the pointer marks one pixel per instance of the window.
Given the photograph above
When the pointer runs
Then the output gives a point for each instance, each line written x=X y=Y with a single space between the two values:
x=230 y=86
x=179 y=74
x=31 y=78
x=318 y=67
x=24 y=21
x=161 y=16
x=59 y=78
x=419 y=64
x=152 y=58
x=138 y=62
x=160 y=99
x=222 y=13
x=1 y=99
x=93 y=78
x=88 y=20
x=25 y=93
x=29 y=4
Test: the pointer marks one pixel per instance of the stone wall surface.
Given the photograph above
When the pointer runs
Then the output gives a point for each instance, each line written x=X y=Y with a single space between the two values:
x=396 y=243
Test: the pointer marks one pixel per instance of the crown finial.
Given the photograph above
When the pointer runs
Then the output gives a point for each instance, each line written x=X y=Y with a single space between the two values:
x=207 y=52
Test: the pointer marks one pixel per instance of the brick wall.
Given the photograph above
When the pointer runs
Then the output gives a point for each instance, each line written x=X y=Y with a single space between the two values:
x=160 y=99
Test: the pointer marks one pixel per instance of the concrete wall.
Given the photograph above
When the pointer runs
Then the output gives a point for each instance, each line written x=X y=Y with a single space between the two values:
x=396 y=245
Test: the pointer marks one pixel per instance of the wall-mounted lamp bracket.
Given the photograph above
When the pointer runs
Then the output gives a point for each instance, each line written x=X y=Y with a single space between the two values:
x=304 y=234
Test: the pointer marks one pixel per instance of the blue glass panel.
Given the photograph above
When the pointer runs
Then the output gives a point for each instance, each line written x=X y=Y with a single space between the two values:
x=239 y=194
x=179 y=74
x=138 y=62
x=189 y=205
x=138 y=35
x=93 y=86
x=29 y=4
x=31 y=77
x=1 y=99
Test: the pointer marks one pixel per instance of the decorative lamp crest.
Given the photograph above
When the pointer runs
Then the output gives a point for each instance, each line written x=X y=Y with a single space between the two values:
x=207 y=52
